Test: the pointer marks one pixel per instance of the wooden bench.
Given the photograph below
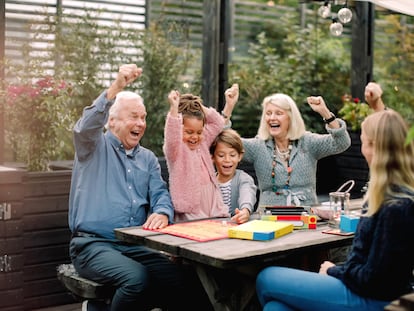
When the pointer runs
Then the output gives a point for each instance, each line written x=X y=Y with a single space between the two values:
x=82 y=288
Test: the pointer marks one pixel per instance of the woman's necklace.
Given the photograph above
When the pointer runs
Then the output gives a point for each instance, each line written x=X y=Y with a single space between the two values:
x=285 y=156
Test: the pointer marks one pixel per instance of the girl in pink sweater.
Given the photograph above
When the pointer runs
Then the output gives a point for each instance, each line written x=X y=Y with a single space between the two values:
x=190 y=129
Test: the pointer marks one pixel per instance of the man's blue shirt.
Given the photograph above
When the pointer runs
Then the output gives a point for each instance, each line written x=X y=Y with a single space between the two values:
x=111 y=189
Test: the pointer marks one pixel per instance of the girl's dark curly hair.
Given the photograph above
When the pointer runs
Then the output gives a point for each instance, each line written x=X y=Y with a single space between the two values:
x=191 y=107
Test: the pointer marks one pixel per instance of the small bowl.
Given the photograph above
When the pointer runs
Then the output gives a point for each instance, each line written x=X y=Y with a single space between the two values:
x=323 y=211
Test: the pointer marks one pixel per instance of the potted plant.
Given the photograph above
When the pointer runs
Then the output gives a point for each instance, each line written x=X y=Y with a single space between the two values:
x=35 y=112
x=354 y=111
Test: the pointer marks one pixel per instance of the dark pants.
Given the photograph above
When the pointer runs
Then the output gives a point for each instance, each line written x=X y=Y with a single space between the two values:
x=144 y=278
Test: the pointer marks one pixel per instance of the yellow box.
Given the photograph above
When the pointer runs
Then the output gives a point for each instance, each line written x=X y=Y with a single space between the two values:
x=260 y=230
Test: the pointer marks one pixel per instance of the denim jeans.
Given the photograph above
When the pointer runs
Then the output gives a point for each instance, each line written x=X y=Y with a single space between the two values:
x=286 y=289
x=144 y=278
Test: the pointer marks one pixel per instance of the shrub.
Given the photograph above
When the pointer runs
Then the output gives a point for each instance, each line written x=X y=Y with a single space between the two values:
x=86 y=56
x=302 y=65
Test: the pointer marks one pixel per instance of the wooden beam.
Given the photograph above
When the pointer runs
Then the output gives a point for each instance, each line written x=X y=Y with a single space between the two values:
x=217 y=34
x=362 y=47
x=210 y=55
x=226 y=25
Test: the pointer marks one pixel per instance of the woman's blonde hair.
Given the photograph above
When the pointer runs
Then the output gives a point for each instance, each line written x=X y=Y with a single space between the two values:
x=392 y=165
x=296 y=126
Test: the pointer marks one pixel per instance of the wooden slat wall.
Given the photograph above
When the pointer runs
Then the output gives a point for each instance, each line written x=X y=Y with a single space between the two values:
x=20 y=14
x=187 y=14
x=11 y=240
x=36 y=238
x=188 y=17
x=46 y=237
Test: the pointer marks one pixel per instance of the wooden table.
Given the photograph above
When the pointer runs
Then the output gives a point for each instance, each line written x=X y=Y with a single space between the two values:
x=227 y=268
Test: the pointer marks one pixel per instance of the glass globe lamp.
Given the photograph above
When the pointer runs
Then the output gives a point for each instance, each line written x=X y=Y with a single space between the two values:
x=344 y=15
x=325 y=10
x=336 y=28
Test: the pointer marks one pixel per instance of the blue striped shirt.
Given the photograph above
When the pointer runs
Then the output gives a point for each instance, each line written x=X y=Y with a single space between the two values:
x=225 y=189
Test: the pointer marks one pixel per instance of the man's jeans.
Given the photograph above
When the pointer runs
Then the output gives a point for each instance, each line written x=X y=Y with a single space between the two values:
x=144 y=278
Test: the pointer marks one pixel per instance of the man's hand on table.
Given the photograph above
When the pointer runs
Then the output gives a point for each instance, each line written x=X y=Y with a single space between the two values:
x=156 y=221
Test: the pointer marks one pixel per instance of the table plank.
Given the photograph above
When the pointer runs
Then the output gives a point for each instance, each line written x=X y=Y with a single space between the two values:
x=134 y=235
x=168 y=243
x=152 y=239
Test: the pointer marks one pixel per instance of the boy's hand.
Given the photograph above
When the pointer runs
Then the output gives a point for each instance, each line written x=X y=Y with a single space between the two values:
x=241 y=216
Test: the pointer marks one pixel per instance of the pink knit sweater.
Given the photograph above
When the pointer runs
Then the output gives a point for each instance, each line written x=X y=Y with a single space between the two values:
x=185 y=166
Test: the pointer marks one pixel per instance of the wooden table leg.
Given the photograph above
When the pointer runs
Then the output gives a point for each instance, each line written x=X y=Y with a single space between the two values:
x=228 y=290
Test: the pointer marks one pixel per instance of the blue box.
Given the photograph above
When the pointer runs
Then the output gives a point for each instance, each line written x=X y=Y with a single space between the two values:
x=348 y=223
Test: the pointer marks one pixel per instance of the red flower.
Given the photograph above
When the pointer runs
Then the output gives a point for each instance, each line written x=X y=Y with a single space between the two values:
x=46 y=82
x=43 y=86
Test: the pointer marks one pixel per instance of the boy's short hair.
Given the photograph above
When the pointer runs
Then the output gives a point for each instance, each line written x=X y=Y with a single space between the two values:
x=229 y=137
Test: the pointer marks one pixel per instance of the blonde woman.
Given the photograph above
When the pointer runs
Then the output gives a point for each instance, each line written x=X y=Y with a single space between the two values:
x=285 y=155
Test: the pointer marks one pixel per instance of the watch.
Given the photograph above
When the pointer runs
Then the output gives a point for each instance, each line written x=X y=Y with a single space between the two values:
x=225 y=116
x=329 y=120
